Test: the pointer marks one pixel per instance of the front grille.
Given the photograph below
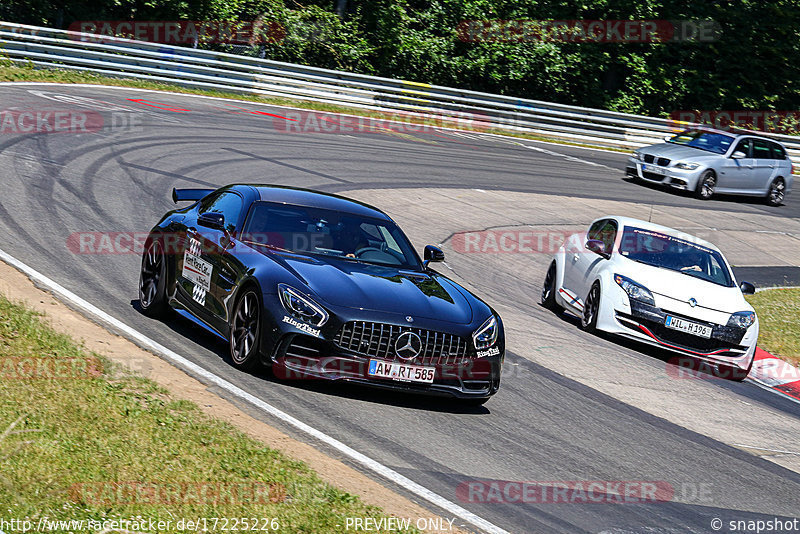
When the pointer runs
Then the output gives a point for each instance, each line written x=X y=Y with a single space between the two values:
x=649 y=158
x=376 y=340
x=663 y=162
x=653 y=176
x=722 y=337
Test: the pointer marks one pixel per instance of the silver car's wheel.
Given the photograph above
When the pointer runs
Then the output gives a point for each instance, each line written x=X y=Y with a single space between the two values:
x=777 y=190
x=706 y=185
x=548 y=297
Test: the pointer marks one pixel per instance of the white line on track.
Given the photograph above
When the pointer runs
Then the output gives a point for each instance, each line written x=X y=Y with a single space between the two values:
x=198 y=371
x=763 y=449
x=568 y=157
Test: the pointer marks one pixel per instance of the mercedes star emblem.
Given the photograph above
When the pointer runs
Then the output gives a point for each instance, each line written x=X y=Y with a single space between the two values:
x=408 y=345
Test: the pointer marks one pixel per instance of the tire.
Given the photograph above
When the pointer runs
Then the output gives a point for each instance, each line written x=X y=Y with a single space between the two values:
x=153 y=280
x=591 y=307
x=776 y=193
x=245 y=331
x=706 y=185
x=548 y=296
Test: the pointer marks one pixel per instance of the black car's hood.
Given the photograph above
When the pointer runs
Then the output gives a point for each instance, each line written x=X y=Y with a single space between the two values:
x=387 y=289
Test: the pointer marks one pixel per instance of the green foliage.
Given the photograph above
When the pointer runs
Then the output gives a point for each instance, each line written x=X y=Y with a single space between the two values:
x=753 y=64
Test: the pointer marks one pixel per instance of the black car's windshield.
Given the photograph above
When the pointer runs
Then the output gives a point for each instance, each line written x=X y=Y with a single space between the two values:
x=709 y=141
x=669 y=252
x=328 y=233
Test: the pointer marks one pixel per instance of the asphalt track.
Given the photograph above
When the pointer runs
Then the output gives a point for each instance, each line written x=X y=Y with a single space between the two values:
x=540 y=427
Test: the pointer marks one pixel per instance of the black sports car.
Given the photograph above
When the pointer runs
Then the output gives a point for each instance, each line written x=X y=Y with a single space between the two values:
x=320 y=286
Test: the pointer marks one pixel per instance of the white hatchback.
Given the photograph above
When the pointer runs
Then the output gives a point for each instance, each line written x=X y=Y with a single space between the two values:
x=657 y=285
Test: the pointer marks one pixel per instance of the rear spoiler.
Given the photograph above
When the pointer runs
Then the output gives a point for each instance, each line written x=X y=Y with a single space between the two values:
x=179 y=195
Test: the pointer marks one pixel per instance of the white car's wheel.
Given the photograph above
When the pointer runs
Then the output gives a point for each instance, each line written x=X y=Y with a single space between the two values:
x=591 y=308
x=548 y=297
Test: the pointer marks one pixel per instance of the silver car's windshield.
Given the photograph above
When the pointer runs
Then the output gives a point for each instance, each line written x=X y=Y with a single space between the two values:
x=323 y=232
x=703 y=140
x=675 y=254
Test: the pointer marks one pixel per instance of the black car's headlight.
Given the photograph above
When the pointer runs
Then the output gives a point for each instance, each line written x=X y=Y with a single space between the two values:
x=486 y=336
x=742 y=319
x=302 y=307
x=634 y=290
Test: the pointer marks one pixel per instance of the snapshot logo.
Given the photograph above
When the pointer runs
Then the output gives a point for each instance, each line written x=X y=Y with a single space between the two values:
x=180 y=32
x=180 y=493
x=786 y=122
x=564 y=492
x=298 y=122
x=587 y=31
x=25 y=121
x=299 y=368
x=50 y=368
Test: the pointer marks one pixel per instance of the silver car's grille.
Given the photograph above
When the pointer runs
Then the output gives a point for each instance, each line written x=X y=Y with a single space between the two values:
x=649 y=158
x=376 y=340
x=662 y=162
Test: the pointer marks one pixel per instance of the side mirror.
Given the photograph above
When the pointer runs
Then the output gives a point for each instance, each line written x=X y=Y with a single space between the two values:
x=738 y=155
x=667 y=138
x=432 y=254
x=747 y=288
x=598 y=247
x=212 y=220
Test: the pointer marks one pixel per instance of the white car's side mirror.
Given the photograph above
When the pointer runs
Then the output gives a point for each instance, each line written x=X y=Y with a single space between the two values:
x=738 y=155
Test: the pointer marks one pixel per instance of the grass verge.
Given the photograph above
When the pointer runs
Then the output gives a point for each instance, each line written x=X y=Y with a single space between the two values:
x=777 y=316
x=82 y=440
x=14 y=72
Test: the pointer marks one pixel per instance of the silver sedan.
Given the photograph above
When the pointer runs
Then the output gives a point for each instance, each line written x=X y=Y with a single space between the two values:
x=706 y=161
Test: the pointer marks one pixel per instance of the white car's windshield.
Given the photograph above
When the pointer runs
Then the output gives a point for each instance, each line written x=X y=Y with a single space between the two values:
x=669 y=252
x=328 y=233
x=709 y=141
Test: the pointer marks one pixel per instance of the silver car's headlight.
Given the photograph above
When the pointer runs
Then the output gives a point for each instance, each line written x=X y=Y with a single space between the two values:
x=634 y=290
x=687 y=166
x=486 y=336
x=742 y=319
x=637 y=155
x=301 y=307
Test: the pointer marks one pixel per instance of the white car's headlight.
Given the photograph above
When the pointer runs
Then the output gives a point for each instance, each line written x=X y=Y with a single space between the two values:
x=486 y=336
x=637 y=155
x=687 y=166
x=742 y=319
x=634 y=290
x=302 y=307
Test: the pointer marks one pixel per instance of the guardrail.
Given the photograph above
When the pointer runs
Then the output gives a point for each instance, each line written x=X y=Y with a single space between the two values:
x=204 y=69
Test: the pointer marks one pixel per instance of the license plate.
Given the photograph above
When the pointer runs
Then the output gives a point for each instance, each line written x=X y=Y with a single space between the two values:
x=654 y=169
x=687 y=326
x=400 y=371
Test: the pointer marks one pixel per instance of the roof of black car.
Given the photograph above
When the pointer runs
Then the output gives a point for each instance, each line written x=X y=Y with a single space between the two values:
x=315 y=199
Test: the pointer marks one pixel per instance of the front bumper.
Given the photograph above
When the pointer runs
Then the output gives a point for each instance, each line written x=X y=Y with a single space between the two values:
x=343 y=348
x=677 y=178
x=303 y=357
x=729 y=346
